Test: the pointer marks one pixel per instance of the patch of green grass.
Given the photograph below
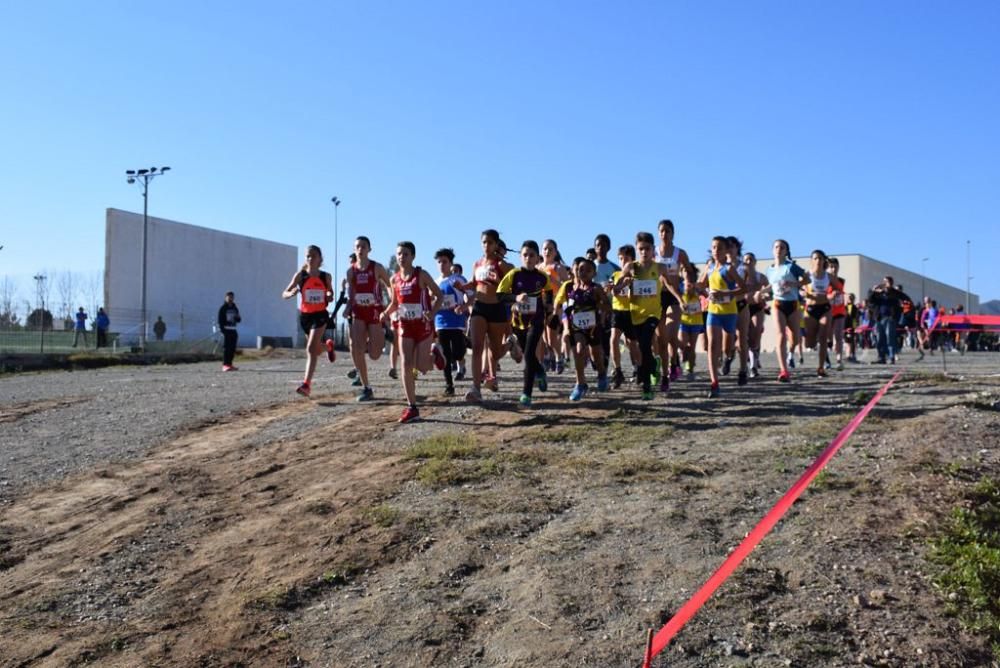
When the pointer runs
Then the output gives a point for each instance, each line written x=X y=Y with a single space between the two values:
x=382 y=515
x=861 y=397
x=571 y=434
x=443 y=446
x=967 y=554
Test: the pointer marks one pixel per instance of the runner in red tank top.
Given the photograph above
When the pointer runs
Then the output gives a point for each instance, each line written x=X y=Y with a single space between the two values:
x=316 y=289
x=838 y=305
x=366 y=280
x=412 y=293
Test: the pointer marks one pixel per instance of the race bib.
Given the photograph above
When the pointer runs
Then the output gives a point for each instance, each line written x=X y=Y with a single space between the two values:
x=786 y=287
x=527 y=307
x=644 y=288
x=411 y=311
x=448 y=301
x=692 y=307
x=314 y=296
x=722 y=299
x=838 y=299
x=483 y=274
x=671 y=267
x=364 y=299
x=584 y=319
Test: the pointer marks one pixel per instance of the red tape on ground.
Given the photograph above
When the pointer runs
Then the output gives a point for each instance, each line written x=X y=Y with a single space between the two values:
x=677 y=622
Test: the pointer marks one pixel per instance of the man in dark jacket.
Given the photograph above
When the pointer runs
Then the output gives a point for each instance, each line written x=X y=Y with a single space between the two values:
x=229 y=317
x=886 y=303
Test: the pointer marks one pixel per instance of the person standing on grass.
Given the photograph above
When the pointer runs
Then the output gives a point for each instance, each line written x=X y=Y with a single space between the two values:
x=80 y=327
x=101 y=324
x=316 y=288
x=159 y=328
x=229 y=317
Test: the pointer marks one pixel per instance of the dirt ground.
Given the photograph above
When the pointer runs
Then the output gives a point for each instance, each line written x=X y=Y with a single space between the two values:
x=323 y=533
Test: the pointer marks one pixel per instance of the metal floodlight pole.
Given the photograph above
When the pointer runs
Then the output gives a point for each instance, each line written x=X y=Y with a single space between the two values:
x=923 y=280
x=40 y=296
x=336 y=253
x=968 y=276
x=144 y=176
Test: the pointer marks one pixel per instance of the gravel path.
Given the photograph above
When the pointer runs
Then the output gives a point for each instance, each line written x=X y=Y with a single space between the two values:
x=58 y=423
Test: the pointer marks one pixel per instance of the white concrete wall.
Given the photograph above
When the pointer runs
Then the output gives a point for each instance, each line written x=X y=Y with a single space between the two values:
x=189 y=270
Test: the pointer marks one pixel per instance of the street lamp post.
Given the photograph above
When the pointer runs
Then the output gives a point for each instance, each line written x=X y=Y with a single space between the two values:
x=40 y=291
x=968 y=277
x=923 y=280
x=336 y=254
x=144 y=176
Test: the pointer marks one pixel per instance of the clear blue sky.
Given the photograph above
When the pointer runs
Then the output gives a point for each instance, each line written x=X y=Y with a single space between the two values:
x=864 y=127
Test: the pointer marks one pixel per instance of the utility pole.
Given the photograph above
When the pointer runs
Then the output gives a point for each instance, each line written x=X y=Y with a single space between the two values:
x=40 y=290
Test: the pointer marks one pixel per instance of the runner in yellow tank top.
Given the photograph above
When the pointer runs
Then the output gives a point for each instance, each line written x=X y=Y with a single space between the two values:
x=725 y=286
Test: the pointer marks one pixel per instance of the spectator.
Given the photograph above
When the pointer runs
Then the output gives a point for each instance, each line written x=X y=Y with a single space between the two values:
x=81 y=327
x=886 y=304
x=159 y=328
x=101 y=324
x=229 y=317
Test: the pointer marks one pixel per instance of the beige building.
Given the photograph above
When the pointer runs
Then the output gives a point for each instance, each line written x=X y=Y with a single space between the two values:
x=861 y=272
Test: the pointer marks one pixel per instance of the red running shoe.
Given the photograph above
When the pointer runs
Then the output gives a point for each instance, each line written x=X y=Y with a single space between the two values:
x=410 y=413
x=330 y=352
x=304 y=389
x=439 y=360
x=783 y=377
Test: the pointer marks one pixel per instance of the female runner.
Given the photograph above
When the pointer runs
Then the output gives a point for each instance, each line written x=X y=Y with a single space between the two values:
x=489 y=318
x=366 y=280
x=724 y=287
x=316 y=288
x=818 y=316
x=673 y=259
x=785 y=278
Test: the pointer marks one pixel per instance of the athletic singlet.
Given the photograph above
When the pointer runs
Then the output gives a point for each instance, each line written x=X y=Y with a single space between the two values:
x=835 y=293
x=785 y=281
x=619 y=298
x=644 y=296
x=365 y=289
x=411 y=298
x=670 y=262
x=487 y=271
x=313 y=292
x=581 y=305
x=451 y=297
x=531 y=282
x=691 y=313
x=818 y=285
x=718 y=281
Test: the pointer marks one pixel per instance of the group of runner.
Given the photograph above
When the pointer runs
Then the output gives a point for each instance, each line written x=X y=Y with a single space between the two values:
x=549 y=313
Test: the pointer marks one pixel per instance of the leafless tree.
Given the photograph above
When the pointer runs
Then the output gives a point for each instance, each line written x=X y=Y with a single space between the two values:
x=93 y=290
x=8 y=297
x=66 y=289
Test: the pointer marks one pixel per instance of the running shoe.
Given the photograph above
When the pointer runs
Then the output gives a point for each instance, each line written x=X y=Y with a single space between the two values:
x=449 y=391
x=366 y=395
x=460 y=375
x=560 y=365
x=634 y=378
x=578 y=392
x=304 y=389
x=393 y=374
x=713 y=391
x=491 y=383
x=229 y=367
x=753 y=372
x=821 y=372
x=525 y=401
x=727 y=366
x=542 y=381
x=829 y=364
x=647 y=395
x=840 y=366
x=665 y=384
x=690 y=375
x=791 y=361
x=617 y=379
x=514 y=349
x=802 y=360
x=410 y=413
x=675 y=372
x=330 y=352
x=783 y=377
x=741 y=379
x=602 y=382
x=353 y=373
x=356 y=382
x=473 y=396
x=438 y=354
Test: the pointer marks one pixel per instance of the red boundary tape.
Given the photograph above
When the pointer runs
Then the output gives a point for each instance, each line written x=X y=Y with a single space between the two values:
x=688 y=610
